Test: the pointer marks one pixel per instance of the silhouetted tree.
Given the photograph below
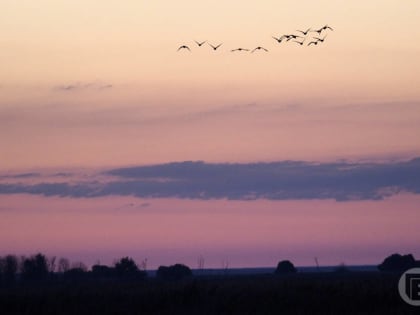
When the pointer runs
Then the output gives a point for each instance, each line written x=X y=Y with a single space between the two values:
x=285 y=267
x=200 y=262
x=79 y=265
x=397 y=262
x=34 y=267
x=143 y=264
x=1 y=269
x=52 y=264
x=127 y=268
x=8 y=269
x=63 y=265
x=174 y=272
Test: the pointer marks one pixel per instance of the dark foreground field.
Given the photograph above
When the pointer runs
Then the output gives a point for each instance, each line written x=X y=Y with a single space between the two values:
x=307 y=293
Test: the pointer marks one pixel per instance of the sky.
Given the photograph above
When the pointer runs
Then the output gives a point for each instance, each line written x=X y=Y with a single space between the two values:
x=93 y=93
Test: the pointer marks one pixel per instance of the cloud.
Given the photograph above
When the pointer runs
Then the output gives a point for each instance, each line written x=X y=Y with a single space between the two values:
x=21 y=175
x=80 y=86
x=284 y=180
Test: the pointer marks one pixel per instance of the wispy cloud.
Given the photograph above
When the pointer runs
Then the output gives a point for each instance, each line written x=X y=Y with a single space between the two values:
x=21 y=175
x=283 y=180
x=80 y=86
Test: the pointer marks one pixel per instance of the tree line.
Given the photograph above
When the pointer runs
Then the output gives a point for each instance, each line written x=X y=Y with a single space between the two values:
x=38 y=267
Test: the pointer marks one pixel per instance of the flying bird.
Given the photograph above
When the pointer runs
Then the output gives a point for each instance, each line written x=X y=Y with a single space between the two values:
x=215 y=47
x=304 y=32
x=319 y=31
x=292 y=36
x=259 y=48
x=280 y=39
x=200 y=44
x=239 y=49
x=300 y=43
x=323 y=28
x=183 y=47
x=315 y=43
x=320 y=39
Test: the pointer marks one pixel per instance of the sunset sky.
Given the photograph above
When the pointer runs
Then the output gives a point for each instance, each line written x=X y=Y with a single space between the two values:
x=93 y=91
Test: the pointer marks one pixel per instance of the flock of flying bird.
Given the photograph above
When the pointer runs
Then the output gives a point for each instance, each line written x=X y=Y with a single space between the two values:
x=299 y=39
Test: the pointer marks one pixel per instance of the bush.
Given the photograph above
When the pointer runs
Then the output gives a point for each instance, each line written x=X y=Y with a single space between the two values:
x=174 y=272
x=285 y=267
x=397 y=262
x=127 y=268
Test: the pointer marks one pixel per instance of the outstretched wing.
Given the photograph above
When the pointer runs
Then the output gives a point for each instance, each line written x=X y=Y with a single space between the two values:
x=185 y=47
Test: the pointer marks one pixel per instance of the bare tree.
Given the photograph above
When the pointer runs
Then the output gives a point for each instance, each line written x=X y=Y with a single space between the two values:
x=34 y=267
x=225 y=265
x=52 y=264
x=200 y=262
x=63 y=265
x=143 y=264
x=79 y=265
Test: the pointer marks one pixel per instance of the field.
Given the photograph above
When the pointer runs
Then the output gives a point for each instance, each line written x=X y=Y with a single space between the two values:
x=304 y=293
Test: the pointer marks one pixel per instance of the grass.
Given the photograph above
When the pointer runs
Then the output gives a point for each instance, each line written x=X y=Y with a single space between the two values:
x=307 y=293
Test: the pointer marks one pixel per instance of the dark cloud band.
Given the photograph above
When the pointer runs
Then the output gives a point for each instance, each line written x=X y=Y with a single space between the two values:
x=284 y=180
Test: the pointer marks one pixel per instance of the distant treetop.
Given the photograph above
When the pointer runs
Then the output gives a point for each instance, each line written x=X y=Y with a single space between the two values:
x=285 y=267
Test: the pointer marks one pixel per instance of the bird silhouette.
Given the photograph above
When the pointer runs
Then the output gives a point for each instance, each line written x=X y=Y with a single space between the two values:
x=292 y=36
x=184 y=47
x=318 y=31
x=313 y=42
x=327 y=27
x=259 y=48
x=200 y=44
x=320 y=39
x=300 y=43
x=280 y=39
x=239 y=49
x=215 y=47
x=304 y=32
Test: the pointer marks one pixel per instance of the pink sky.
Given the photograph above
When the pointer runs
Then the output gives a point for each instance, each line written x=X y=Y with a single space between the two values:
x=86 y=87
x=247 y=233
x=94 y=84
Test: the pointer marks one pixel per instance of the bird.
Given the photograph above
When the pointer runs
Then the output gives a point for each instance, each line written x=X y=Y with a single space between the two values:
x=327 y=27
x=259 y=48
x=304 y=32
x=239 y=49
x=215 y=47
x=280 y=39
x=292 y=36
x=300 y=43
x=199 y=44
x=184 y=47
x=315 y=43
x=318 y=31
x=320 y=39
